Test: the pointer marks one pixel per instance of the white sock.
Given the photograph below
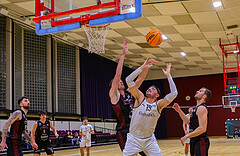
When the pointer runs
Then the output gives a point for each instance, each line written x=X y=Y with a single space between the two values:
x=186 y=154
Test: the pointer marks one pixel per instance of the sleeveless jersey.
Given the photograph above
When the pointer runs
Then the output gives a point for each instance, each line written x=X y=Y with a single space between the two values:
x=18 y=127
x=194 y=121
x=144 y=119
x=43 y=131
x=123 y=110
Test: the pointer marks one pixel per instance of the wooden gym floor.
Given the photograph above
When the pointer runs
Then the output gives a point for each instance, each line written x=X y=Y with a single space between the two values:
x=220 y=146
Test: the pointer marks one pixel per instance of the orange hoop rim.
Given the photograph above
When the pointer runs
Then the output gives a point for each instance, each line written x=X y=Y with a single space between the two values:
x=103 y=26
x=233 y=106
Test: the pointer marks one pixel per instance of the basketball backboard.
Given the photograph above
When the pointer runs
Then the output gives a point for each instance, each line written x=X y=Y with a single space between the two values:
x=231 y=101
x=54 y=16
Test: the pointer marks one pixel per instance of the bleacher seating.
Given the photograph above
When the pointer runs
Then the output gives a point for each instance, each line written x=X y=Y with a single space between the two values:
x=97 y=138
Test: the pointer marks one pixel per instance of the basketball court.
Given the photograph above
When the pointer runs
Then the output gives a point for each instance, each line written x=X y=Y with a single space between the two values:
x=170 y=147
x=52 y=46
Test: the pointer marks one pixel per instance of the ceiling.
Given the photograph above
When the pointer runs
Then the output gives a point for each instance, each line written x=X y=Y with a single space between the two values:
x=192 y=26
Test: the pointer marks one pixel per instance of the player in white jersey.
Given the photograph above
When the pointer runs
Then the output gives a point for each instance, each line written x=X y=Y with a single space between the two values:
x=186 y=130
x=85 y=131
x=145 y=114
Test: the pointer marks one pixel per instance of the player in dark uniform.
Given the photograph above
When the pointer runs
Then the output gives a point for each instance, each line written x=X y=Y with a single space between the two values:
x=199 y=141
x=41 y=130
x=122 y=100
x=18 y=122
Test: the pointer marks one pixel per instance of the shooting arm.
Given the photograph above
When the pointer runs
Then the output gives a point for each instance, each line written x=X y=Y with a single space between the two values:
x=15 y=116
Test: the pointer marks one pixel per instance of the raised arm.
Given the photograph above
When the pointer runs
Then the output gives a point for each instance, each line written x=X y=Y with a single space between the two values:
x=202 y=120
x=133 y=87
x=14 y=117
x=113 y=93
x=148 y=63
x=181 y=113
x=173 y=90
x=53 y=129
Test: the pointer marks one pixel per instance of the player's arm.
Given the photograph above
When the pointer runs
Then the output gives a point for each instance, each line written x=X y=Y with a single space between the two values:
x=33 y=132
x=173 y=90
x=181 y=113
x=148 y=63
x=138 y=95
x=28 y=138
x=202 y=120
x=92 y=130
x=184 y=128
x=14 y=117
x=53 y=129
x=113 y=93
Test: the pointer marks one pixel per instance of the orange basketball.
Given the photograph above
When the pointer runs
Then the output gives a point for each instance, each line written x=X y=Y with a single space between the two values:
x=154 y=38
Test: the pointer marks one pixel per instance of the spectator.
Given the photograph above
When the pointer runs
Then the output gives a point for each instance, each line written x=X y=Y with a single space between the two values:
x=236 y=133
x=68 y=137
x=75 y=138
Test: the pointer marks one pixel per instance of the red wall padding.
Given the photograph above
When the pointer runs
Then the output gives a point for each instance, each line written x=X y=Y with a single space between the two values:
x=189 y=86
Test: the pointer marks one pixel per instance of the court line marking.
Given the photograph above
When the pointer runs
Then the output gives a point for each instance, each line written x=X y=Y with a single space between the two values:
x=93 y=151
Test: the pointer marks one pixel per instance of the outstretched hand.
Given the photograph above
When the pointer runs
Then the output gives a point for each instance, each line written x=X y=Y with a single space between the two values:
x=2 y=146
x=168 y=69
x=176 y=107
x=125 y=48
x=149 y=63
x=34 y=146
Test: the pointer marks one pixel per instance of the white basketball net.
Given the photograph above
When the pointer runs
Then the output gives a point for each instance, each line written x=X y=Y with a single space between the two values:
x=96 y=37
x=233 y=108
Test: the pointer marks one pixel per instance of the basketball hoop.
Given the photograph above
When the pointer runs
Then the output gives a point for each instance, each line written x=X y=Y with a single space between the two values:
x=233 y=107
x=96 y=37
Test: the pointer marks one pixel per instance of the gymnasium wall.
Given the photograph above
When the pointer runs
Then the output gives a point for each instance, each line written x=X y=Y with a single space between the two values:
x=189 y=86
x=96 y=73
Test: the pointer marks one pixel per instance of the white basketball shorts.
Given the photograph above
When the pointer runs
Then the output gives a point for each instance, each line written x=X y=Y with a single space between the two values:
x=135 y=145
x=187 y=141
x=85 y=142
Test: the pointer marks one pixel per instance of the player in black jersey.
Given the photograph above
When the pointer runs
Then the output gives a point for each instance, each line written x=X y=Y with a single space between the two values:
x=122 y=100
x=199 y=141
x=41 y=130
x=18 y=122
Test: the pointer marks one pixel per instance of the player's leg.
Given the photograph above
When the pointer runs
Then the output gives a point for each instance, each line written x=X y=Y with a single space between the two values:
x=187 y=144
x=122 y=138
x=82 y=145
x=133 y=146
x=186 y=148
x=88 y=145
x=151 y=147
x=82 y=151
x=49 y=149
x=14 y=148
x=88 y=151
x=202 y=146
